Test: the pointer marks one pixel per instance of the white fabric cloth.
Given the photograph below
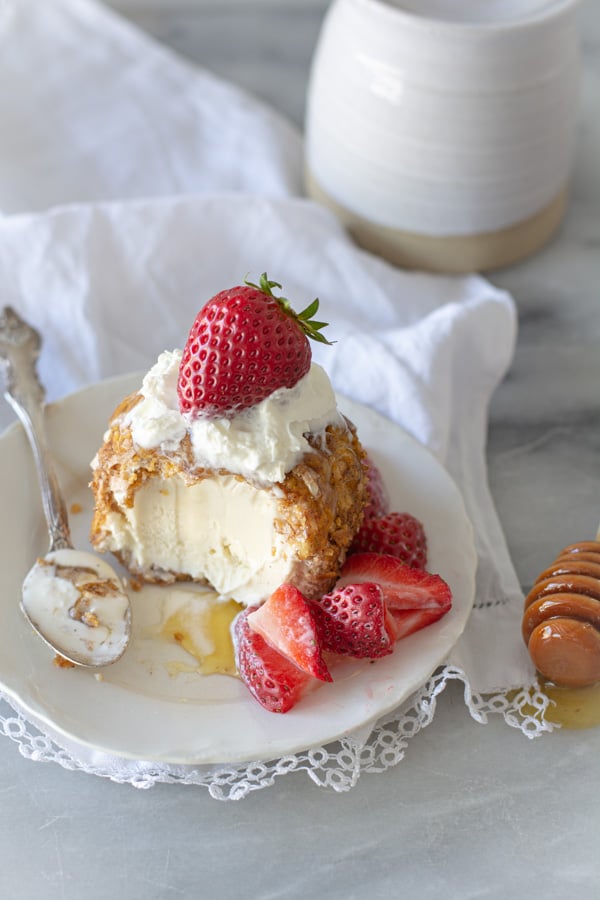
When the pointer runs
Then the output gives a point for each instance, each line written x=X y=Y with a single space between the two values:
x=114 y=117
x=91 y=109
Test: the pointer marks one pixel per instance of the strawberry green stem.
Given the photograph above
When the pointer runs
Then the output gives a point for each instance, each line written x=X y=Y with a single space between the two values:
x=310 y=327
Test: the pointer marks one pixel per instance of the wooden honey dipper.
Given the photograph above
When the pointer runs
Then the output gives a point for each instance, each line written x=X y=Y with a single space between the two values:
x=561 y=619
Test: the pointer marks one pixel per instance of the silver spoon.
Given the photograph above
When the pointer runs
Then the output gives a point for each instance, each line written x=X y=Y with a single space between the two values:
x=73 y=599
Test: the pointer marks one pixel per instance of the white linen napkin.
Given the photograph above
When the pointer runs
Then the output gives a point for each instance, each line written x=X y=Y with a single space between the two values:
x=110 y=285
x=91 y=109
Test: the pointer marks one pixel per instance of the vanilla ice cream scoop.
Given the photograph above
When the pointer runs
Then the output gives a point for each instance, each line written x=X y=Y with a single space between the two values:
x=241 y=503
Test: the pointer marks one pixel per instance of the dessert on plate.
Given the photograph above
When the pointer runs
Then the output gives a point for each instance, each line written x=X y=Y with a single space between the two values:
x=232 y=467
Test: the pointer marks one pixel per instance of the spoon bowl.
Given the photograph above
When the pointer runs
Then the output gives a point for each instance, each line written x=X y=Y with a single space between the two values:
x=76 y=603
x=73 y=599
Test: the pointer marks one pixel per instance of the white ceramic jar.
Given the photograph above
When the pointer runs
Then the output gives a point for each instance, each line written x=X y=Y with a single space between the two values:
x=442 y=131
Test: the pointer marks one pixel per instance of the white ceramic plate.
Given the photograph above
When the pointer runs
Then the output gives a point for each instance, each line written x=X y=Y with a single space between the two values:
x=150 y=705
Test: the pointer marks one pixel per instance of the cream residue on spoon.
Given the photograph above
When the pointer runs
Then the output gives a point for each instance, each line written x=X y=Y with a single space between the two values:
x=76 y=601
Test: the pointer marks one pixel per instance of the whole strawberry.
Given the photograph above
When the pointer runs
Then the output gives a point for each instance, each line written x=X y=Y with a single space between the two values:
x=245 y=344
x=395 y=534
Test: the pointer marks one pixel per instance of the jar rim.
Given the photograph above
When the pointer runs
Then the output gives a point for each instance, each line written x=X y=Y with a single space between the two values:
x=552 y=10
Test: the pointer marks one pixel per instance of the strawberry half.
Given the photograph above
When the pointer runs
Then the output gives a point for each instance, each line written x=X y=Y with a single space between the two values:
x=396 y=534
x=378 y=503
x=354 y=621
x=415 y=598
x=245 y=344
x=271 y=678
x=287 y=622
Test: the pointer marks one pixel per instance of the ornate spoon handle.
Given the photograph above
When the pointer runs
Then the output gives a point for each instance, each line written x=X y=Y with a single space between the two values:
x=19 y=350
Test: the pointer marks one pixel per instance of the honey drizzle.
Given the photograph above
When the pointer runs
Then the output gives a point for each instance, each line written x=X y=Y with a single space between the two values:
x=572 y=708
x=181 y=627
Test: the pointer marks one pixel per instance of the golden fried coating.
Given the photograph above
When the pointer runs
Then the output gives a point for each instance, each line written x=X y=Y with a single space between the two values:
x=319 y=504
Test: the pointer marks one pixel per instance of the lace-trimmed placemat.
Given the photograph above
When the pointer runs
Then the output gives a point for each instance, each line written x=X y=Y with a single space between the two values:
x=337 y=766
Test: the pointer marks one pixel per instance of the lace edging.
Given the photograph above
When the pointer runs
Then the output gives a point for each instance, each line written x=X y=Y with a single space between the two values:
x=337 y=766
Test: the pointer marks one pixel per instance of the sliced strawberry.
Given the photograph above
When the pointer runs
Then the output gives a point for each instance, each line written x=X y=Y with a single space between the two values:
x=377 y=567
x=414 y=598
x=354 y=621
x=406 y=623
x=378 y=503
x=271 y=678
x=287 y=622
x=403 y=587
x=396 y=534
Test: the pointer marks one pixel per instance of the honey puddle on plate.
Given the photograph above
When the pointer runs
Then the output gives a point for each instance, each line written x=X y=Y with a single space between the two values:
x=200 y=625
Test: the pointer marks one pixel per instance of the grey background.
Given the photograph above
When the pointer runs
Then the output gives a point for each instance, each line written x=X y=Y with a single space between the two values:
x=473 y=811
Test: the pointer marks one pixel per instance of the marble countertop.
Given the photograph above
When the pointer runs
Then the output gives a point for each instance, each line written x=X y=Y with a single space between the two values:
x=472 y=810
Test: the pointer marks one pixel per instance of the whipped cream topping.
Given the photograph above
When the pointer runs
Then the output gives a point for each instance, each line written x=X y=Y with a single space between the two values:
x=261 y=443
